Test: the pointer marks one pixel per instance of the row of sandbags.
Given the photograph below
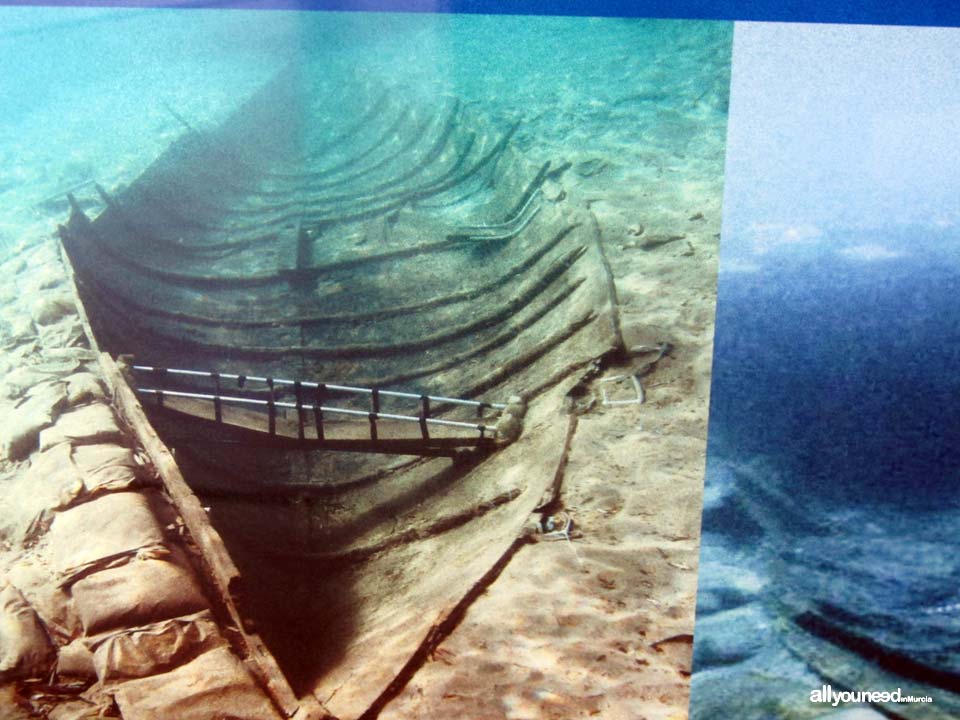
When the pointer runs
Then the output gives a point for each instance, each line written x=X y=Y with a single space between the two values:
x=103 y=594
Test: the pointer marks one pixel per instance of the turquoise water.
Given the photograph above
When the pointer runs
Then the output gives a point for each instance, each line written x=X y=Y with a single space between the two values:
x=85 y=92
x=412 y=202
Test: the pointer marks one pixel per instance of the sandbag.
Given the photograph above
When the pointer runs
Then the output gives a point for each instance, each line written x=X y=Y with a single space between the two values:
x=50 y=308
x=18 y=436
x=91 y=704
x=75 y=355
x=31 y=575
x=75 y=660
x=25 y=649
x=20 y=427
x=105 y=467
x=24 y=377
x=83 y=387
x=154 y=649
x=94 y=423
x=11 y=704
x=75 y=710
x=29 y=497
x=136 y=593
x=214 y=685
x=57 y=477
x=53 y=476
x=96 y=534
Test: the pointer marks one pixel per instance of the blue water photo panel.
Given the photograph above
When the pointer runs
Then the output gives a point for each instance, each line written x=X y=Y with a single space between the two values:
x=828 y=581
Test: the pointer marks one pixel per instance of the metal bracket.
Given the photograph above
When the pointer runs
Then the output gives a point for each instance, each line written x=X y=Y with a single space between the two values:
x=638 y=389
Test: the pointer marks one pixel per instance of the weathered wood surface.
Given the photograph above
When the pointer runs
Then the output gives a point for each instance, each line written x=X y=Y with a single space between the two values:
x=220 y=570
x=384 y=245
x=405 y=248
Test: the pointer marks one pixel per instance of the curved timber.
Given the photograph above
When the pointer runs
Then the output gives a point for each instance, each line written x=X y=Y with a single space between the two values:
x=350 y=234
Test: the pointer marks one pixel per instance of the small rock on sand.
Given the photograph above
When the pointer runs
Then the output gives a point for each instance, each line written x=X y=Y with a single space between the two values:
x=590 y=168
x=553 y=191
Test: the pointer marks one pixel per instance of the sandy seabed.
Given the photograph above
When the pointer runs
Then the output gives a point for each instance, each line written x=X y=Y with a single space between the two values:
x=599 y=624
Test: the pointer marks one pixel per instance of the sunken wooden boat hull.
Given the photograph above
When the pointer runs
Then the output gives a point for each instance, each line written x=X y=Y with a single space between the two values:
x=341 y=233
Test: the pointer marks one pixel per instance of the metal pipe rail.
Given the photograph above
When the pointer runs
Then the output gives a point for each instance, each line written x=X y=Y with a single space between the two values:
x=242 y=379
x=422 y=444
x=323 y=408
